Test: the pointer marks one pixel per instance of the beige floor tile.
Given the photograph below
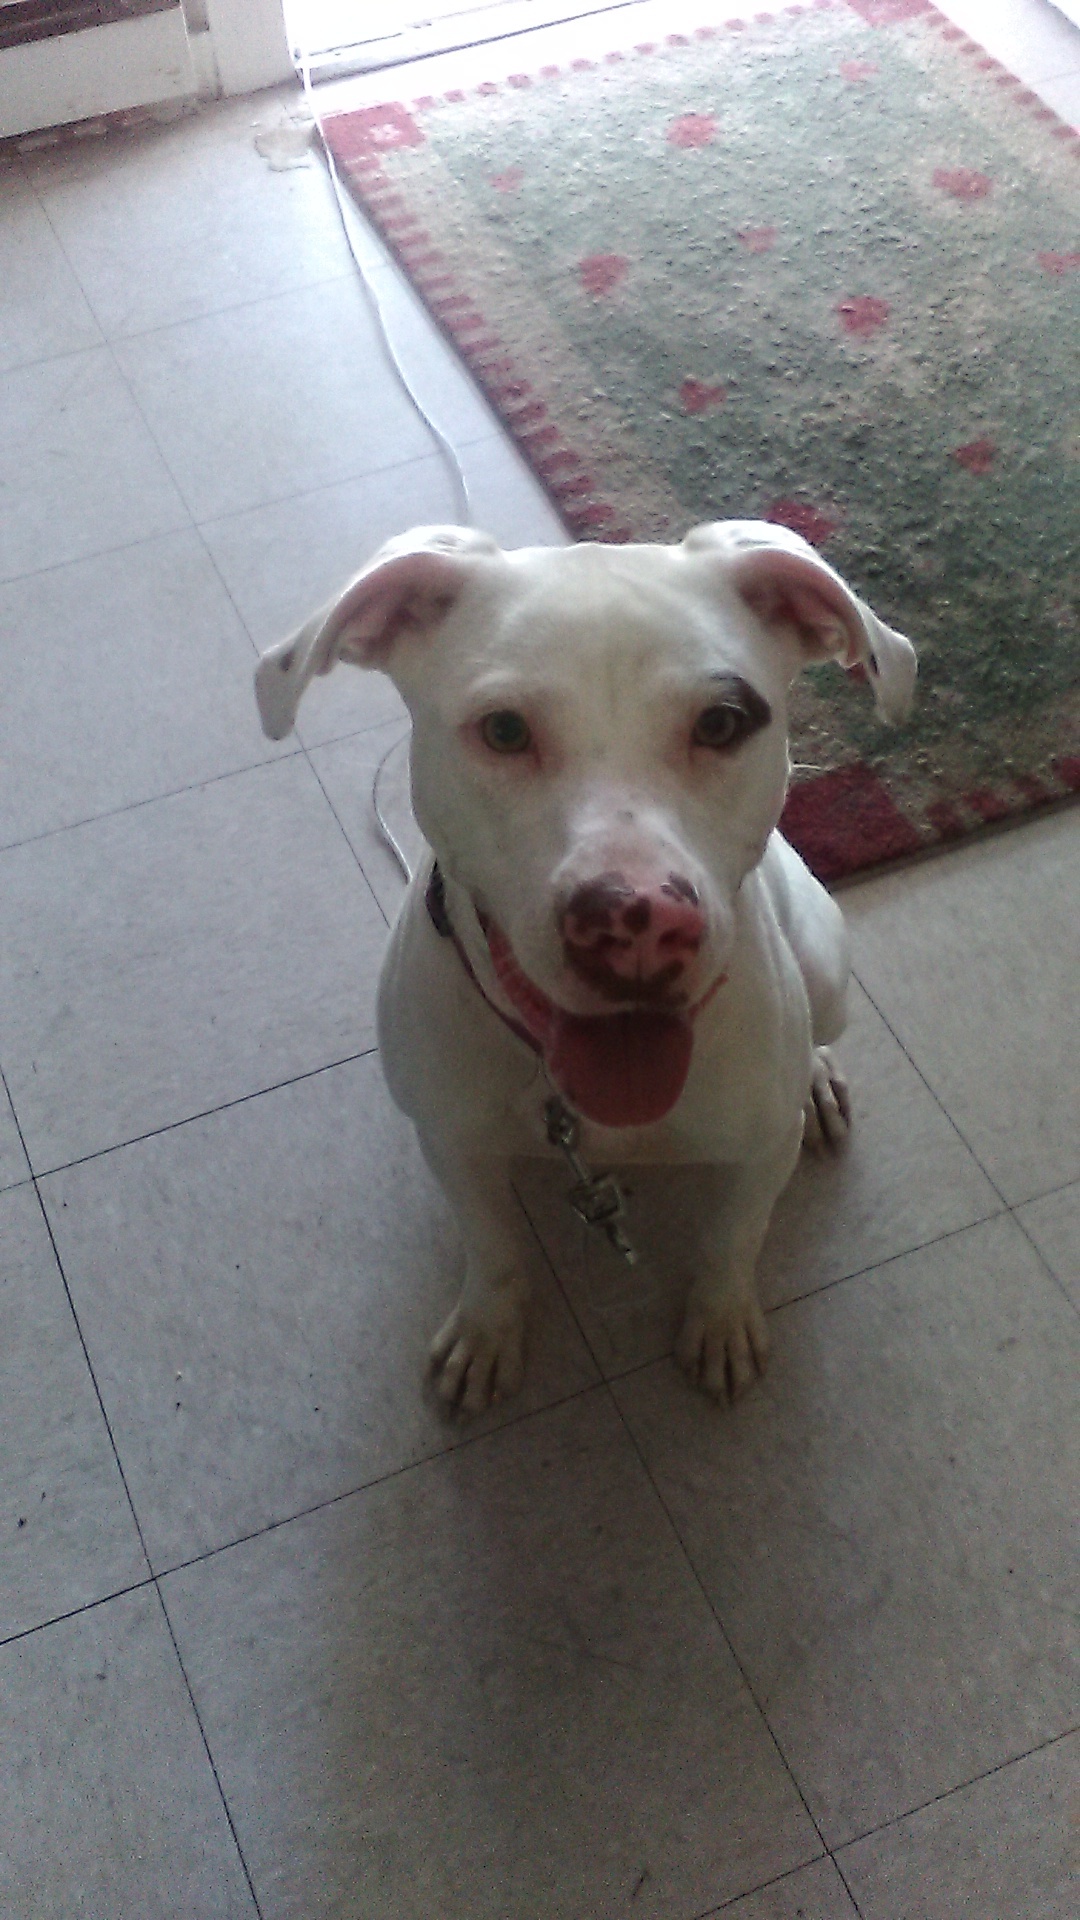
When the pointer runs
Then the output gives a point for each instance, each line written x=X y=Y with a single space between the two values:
x=137 y=682
x=258 y=1291
x=972 y=959
x=257 y=403
x=161 y=961
x=79 y=471
x=1004 y=1846
x=237 y=231
x=883 y=1525
x=813 y=1893
x=490 y=1686
x=110 y=1806
x=903 y=1178
x=43 y=311
x=70 y=1535
x=1054 y=1224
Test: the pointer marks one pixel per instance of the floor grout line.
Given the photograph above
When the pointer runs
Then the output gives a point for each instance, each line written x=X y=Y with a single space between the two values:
x=208 y=1750
x=302 y=746
x=465 y=1440
x=50 y=359
x=329 y=486
x=795 y=1300
x=380 y=909
x=444 y=1455
x=1073 y=1305
x=829 y=1850
x=931 y=1090
x=716 y=1614
x=1046 y=1193
x=212 y=313
x=154 y=799
x=75 y=1613
x=612 y=1399
x=1012 y=1209
x=763 y=1886
x=353 y=274
x=207 y=1113
x=962 y=1786
x=847 y=1886
x=191 y=523
x=889 y=1259
x=152 y=1580
x=185 y=527
x=461 y=1441
x=78 y=1326
x=26 y=575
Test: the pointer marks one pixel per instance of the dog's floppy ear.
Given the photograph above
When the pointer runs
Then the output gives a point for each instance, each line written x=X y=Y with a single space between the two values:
x=409 y=586
x=789 y=586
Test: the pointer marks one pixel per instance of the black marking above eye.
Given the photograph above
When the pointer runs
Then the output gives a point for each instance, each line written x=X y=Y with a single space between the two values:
x=736 y=711
x=506 y=731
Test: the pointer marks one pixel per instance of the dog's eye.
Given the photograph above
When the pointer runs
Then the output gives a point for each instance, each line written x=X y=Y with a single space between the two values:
x=720 y=727
x=505 y=732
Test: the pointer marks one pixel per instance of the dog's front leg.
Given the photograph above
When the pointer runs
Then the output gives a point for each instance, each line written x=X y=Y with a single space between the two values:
x=477 y=1357
x=724 y=1343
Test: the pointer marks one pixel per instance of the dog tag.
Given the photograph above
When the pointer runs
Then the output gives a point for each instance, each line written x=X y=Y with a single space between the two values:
x=597 y=1200
x=600 y=1203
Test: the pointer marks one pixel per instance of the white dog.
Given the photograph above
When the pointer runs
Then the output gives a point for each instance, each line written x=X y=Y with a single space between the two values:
x=610 y=940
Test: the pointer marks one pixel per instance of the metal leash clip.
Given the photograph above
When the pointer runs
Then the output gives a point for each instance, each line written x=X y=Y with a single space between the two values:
x=596 y=1199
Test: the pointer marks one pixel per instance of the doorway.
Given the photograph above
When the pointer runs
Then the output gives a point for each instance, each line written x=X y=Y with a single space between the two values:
x=360 y=36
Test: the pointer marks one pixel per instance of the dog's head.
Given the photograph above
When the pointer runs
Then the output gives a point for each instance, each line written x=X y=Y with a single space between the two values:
x=599 y=754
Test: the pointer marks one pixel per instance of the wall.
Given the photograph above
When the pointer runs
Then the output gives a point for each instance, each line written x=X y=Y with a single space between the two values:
x=225 y=46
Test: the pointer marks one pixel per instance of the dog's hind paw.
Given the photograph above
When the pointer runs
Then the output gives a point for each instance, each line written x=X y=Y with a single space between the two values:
x=724 y=1345
x=474 y=1361
x=827 y=1114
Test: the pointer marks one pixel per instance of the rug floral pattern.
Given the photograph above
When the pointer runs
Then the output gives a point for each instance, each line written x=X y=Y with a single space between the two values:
x=819 y=266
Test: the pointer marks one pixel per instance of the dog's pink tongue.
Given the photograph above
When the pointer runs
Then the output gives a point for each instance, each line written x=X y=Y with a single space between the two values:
x=622 y=1069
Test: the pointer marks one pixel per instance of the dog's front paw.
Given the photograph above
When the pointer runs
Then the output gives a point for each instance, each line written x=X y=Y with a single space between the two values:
x=724 y=1344
x=478 y=1358
x=827 y=1114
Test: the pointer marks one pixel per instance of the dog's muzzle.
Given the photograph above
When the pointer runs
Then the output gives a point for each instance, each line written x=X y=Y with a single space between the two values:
x=633 y=944
x=634 y=947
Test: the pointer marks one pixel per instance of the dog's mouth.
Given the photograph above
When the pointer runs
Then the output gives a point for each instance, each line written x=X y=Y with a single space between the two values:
x=624 y=1069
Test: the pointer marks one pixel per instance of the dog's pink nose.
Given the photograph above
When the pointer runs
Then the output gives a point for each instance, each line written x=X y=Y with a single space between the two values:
x=629 y=942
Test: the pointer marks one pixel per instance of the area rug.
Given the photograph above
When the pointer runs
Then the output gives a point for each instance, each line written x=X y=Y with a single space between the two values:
x=818 y=266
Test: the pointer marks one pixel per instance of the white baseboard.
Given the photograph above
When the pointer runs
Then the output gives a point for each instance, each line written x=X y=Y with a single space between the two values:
x=71 y=76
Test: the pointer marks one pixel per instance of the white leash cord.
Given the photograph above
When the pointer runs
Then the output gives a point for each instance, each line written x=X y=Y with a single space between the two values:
x=444 y=446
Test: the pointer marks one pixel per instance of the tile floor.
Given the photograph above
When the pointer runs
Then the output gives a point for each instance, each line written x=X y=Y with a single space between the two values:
x=277 y=1640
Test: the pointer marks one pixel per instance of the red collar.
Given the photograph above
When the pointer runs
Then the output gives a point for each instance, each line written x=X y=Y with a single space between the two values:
x=435 y=902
